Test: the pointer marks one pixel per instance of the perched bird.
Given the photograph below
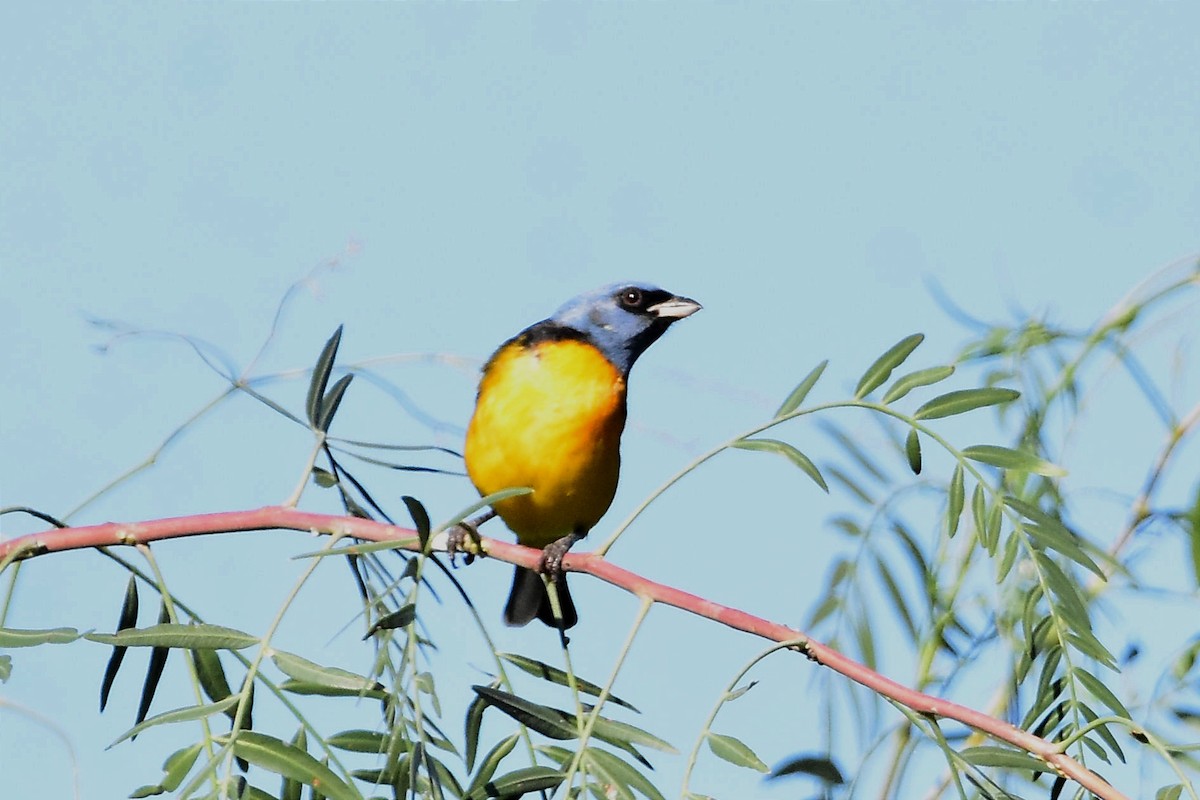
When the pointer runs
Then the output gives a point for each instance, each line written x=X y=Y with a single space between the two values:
x=549 y=416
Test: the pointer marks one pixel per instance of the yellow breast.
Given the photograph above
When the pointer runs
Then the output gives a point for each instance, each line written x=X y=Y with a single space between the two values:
x=548 y=417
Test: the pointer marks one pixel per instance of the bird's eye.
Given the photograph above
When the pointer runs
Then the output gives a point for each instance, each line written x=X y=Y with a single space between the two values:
x=631 y=297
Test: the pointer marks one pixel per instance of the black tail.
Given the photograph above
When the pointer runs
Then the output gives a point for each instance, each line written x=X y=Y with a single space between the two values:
x=528 y=600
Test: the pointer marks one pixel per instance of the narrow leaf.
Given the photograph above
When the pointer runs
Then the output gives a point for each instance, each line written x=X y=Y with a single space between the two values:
x=963 y=400
x=320 y=377
x=178 y=765
x=1007 y=458
x=283 y=759
x=1101 y=692
x=190 y=637
x=211 y=675
x=154 y=670
x=127 y=619
x=735 y=751
x=989 y=756
x=543 y=719
x=472 y=723
x=400 y=618
x=331 y=401
x=21 y=637
x=554 y=675
x=622 y=733
x=801 y=391
x=378 y=692
x=914 y=380
x=820 y=767
x=185 y=714
x=520 y=782
x=791 y=453
x=954 y=500
x=305 y=671
x=912 y=450
x=420 y=518
x=491 y=762
x=881 y=370
x=621 y=774
x=359 y=741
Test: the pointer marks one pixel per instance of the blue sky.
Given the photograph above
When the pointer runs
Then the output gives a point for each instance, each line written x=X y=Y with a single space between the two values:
x=804 y=170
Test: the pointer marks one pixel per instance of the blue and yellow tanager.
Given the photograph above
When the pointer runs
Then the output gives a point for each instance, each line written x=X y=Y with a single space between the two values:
x=549 y=416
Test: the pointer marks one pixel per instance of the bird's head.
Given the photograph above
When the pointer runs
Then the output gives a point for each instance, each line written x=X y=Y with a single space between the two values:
x=623 y=319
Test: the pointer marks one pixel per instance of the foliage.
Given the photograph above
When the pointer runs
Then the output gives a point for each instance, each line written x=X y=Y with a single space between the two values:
x=964 y=567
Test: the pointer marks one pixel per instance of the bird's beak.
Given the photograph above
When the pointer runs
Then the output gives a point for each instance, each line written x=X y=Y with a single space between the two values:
x=675 y=308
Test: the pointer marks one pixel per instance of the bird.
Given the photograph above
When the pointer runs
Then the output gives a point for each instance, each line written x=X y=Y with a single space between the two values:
x=549 y=414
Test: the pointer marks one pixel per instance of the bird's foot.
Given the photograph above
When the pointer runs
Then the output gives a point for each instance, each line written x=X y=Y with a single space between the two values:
x=553 y=554
x=464 y=538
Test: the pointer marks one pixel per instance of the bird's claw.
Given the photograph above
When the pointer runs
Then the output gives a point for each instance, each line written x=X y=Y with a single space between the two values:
x=465 y=539
x=552 y=556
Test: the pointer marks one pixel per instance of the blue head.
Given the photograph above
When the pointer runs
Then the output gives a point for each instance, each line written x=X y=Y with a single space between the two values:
x=623 y=319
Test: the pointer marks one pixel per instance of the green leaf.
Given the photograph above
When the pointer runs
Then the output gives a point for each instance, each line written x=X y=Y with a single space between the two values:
x=359 y=741
x=963 y=400
x=420 y=518
x=521 y=782
x=897 y=597
x=400 y=618
x=1006 y=458
x=955 y=497
x=155 y=669
x=320 y=377
x=1172 y=792
x=791 y=453
x=991 y=532
x=979 y=509
x=324 y=478
x=184 y=714
x=621 y=774
x=1053 y=534
x=331 y=401
x=126 y=619
x=305 y=671
x=178 y=765
x=211 y=674
x=914 y=380
x=473 y=723
x=881 y=370
x=735 y=751
x=738 y=692
x=801 y=391
x=912 y=449
x=22 y=637
x=484 y=502
x=989 y=756
x=5 y=668
x=543 y=719
x=190 y=637
x=554 y=675
x=491 y=762
x=622 y=733
x=1101 y=692
x=283 y=759
x=1008 y=557
x=1070 y=606
x=820 y=767
x=378 y=692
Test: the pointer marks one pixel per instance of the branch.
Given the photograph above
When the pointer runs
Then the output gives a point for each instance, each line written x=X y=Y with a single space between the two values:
x=276 y=517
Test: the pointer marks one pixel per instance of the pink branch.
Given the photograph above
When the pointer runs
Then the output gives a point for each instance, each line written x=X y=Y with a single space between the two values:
x=275 y=517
